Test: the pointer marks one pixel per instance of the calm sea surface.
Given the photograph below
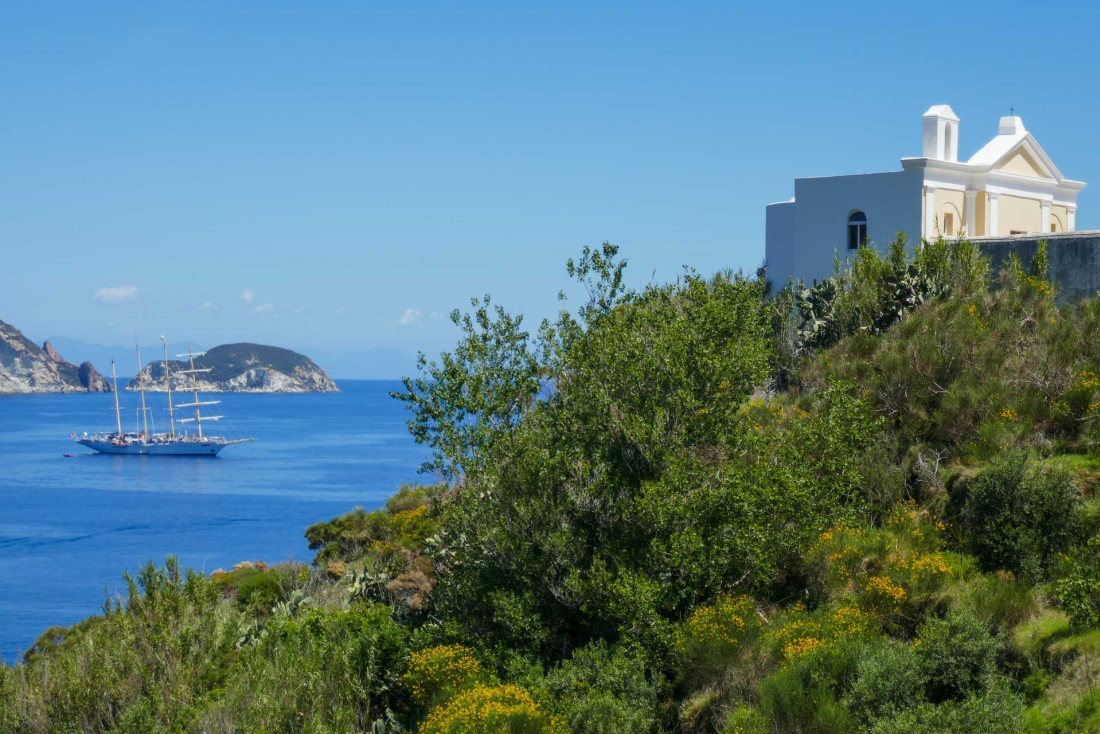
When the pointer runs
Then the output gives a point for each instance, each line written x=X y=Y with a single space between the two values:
x=69 y=527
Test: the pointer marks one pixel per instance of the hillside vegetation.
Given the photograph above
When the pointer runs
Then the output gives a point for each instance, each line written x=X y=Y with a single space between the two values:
x=863 y=506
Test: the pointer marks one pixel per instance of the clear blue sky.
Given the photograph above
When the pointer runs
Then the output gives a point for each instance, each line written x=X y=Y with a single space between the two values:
x=334 y=177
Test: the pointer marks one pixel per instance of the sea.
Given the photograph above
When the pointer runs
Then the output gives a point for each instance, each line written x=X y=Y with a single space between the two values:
x=71 y=525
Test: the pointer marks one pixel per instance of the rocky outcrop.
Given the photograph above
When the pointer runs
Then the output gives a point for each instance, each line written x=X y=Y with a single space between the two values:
x=26 y=368
x=91 y=379
x=242 y=368
x=52 y=353
x=85 y=375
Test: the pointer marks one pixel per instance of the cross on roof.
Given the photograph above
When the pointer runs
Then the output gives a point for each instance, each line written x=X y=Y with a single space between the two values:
x=1012 y=111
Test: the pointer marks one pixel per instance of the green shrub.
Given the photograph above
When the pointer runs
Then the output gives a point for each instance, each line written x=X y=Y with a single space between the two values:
x=602 y=690
x=1020 y=516
x=324 y=670
x=148 y=661
x=804 y=693
x=888 y=679
x=957 y=656
x=1078 y=591
x=1035 y=685
x=258 y=590
x=1000 y=600
x=404 y=524
x=745 y=720
x=997 y=711
x=1079 y=596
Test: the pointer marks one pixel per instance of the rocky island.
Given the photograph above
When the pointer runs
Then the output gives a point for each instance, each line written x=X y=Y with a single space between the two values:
x=242 y=368
x=27 y=368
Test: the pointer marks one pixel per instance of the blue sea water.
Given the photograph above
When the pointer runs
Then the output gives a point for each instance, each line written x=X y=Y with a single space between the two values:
x=69 y=527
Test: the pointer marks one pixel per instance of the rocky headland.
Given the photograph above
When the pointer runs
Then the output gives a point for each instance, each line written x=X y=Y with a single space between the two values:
x=27 y=368
x=242 y=368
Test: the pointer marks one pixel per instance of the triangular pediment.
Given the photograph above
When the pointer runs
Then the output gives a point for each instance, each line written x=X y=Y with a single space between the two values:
x=1022 y=163
x=1027 y=158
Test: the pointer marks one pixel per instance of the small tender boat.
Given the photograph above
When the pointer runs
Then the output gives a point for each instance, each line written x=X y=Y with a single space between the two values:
x=173 y=443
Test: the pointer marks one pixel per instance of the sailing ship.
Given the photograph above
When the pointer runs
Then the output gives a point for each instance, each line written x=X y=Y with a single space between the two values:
x=173 y=443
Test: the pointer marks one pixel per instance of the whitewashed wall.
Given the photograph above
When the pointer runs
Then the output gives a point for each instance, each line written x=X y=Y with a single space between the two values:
x=779 y=243
x=819 y=219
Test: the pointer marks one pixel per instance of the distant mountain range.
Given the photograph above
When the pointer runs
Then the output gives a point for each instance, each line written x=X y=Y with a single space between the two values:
x=240 y=368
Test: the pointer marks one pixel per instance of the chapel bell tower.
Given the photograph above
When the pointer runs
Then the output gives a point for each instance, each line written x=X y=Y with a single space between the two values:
x=941 y=134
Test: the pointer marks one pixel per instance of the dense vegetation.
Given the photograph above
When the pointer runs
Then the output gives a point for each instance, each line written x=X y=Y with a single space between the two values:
x=863 y=506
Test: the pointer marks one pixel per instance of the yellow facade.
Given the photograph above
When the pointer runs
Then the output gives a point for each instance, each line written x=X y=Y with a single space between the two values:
x=950 y=212
x=1058 y=218
x=980 y=206
x=1016 y=214
x=1023 y=164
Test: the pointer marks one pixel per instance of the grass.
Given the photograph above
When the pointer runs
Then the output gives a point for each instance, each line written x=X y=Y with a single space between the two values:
x=1085 y=467
x=1034 y=636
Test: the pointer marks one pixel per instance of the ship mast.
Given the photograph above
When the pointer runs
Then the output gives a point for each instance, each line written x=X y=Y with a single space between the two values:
x=118 y=411
x=195 y=390
x=141 y=386
x=199 y=418
x=168 y=381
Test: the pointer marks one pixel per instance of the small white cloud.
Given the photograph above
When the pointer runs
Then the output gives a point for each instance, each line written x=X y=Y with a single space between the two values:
x=263 y=308
x=208 y=306
x=118 y=294
x=248 y=295
x=410 y=317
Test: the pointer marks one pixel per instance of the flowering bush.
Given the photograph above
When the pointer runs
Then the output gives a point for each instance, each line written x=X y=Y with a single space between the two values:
x=817 y=652
x=881 y=594
x=885 y=569
x=719 y=630
x=489 y=709
x=715 y=637
x=436 y=673
x=799 y=633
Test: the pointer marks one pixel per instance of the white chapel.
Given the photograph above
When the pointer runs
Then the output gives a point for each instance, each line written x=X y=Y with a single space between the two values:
x=1009 y=187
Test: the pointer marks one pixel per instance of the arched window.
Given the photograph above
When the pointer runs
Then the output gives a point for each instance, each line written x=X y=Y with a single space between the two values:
x=857 y=229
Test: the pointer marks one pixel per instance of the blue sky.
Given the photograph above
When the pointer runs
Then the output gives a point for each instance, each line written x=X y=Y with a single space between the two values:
x=335 y=177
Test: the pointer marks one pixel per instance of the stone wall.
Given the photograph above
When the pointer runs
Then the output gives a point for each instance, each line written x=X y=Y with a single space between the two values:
x=1074 y=259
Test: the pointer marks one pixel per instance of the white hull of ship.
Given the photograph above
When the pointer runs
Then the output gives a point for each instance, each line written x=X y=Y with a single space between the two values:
x=176 y=448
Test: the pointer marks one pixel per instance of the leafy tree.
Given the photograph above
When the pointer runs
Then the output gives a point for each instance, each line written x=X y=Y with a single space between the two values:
x=474 y=394
x=1021 y=516
x=640 y=485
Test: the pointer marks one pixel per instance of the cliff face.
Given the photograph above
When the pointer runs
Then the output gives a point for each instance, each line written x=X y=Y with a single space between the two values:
x=26 y=368
x=85 y=375
x=242 y=368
